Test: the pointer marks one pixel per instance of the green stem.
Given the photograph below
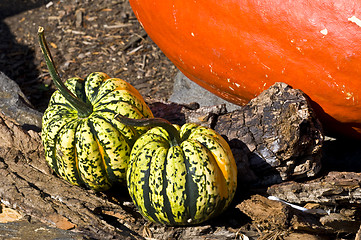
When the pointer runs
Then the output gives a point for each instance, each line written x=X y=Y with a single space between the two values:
x=83 y=109
x=153 y=122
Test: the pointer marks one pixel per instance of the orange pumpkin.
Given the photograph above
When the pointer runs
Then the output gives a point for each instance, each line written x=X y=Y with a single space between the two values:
x=236 y=49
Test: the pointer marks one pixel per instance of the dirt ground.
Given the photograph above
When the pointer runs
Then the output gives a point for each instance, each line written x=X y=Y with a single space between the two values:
x=84 y=37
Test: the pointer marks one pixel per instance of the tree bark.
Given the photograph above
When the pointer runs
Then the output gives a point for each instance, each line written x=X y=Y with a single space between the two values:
x=278 y=133
x=337 y=193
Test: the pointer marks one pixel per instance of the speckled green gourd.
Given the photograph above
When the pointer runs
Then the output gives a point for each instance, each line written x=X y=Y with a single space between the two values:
x=181 y=182
x=88 y=147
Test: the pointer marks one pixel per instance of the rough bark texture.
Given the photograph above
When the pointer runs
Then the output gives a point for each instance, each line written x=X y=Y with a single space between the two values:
x=334 y=188
x=338 y=193
x=270 y=214
x=277 y=219
x=278 y=133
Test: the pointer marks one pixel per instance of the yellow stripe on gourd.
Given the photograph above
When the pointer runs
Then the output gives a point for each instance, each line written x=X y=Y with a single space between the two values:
x=138 y=176
x=220 y=151
x=115 y=146
x=65 y=150
x=210 y=184
x=90 y=160
x=175 y=176
x=156 y=179
x=102 y=154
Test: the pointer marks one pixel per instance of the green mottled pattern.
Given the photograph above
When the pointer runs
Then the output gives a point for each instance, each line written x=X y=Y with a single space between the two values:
x=184 y=184
x=203 y=175
x=65 y=153
x=93 y=151
x=222 y=154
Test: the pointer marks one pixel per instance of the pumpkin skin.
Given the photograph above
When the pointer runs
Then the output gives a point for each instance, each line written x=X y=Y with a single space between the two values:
x=181 y=184
x=92 y=151
x=236 y=49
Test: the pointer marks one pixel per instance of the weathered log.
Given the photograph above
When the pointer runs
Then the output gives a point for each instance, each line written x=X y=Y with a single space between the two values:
x=276 y=217
x=336 y=188
x=269 y=214
x=338 y=193
x=279 y=132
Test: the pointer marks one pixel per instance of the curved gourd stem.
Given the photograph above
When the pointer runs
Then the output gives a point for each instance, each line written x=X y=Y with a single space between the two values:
x=153 y=122
x=84 y=109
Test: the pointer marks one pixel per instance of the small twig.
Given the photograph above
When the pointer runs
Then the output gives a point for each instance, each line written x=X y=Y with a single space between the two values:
x=134 y=39
x=135 y=50
x=306 y=210
x=122 y=25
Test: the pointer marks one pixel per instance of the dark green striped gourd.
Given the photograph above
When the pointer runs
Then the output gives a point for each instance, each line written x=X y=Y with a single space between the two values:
x=83 y=142
x=180 y=176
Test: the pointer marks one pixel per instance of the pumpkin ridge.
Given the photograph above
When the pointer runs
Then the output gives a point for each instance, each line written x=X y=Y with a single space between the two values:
x=113 y=85
x=120 y=107
x=145 y=138
x=102 y=102
x=146 y=188
x=65 y=168
x=54 y=160
x=191 y=188
x=126 y=98
x=104 y=156
x=129 y=141
x=64 y=105
x=156 y=180
x=49 y=123
x=76 y=85
x=129 y=178
x=80 y=180
x=99 y=99
x=90 y=170
x=166 y=203
x=221 y=186
x=52 y=139
x=59 y=100
x=218 y=147
x=186 y=130
x=124 y=85
x=117 y=146
x=92 y=89
x=200 y=152
x=133 y=99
